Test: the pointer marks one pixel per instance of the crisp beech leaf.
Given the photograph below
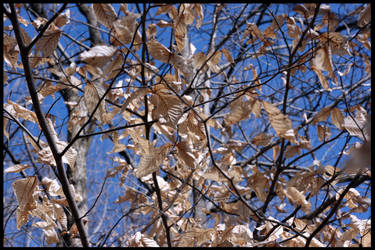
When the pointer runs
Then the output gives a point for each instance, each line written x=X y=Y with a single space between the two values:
x=63 y=19
x=24 y=190
x=364 y=16
x=298 y=198
x=168 y=108
x=324 y=133
x=125 y=27
x=337 y=118
x=322 y=115
x=48 y=42
x=98 y=55
x=105 y=13
x=159 y=51
x=16 y=168
x=280 y=122
x=151 y=159
x=261 y=139
x=140 y=240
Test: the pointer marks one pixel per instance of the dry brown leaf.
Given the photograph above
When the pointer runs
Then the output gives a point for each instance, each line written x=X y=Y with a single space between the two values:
x=275 y=152
x=292 y=150
x=180 y=29
x=63 y=19
x=214 y=61
x=280 y=122
x=359 y=125
x=239 y=110
x=24 y=190
x=185 y=153
x=126 y=27
x=364 y=16
x=47 y=44
x=259 y=183
x=322 y=115
x=228 y=55
x=323 y=132
x=262 y=139
x=105 y=13
x=16 y=168
x=168 y=108
x=323 y=61
x=159 y=51
x=297 y=197
x=163 y=9
x=146 y=242
x=48 y=230
x=337 y=118
x=10 y=50
x=151 y=158
x=98 y=55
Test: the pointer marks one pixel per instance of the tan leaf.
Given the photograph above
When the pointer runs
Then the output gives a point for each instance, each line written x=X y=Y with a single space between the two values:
x=275 y=152
x=16 y=168
x=185 y=153
x=239 y=110
x=10 y=50
x=105 y=13
x=228 y=55
x=164 y=24
x=140 y=240
x=98 y=55
x=359 y=125
x=168 y=108
x=321 y=77
x=180 y=29
x=48 y=42
x=159 y=51
x=291 y=150
x=298 y=198
x=214 y=61
x=323 y=133
x=25 y=37
x=364 y=16
x=21 y=112
x=163 y=9
x=126 y=27
x=337 y=118
x=262 y=139
x=48 y=230
x=322 y=115
x=91 y=99
x=151 y=159
x=280 y=122
x=323 y=61
x=63 y=19
x=24 y=189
